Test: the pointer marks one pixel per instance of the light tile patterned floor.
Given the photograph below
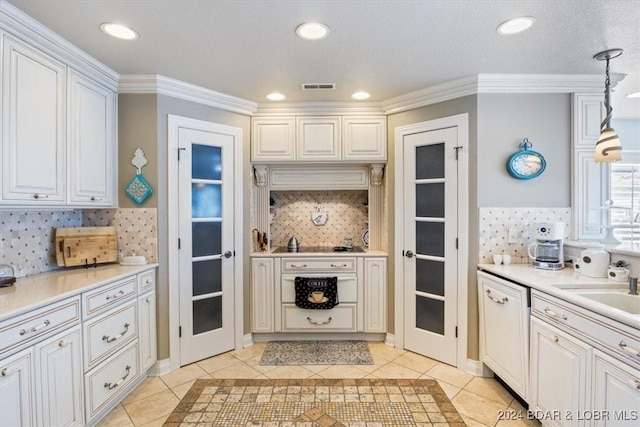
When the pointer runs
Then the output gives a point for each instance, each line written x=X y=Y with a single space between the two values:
x=480 y=401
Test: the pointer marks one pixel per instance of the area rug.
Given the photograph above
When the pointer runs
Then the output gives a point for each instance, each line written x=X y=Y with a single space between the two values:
x=350 y=352
x=315 y=403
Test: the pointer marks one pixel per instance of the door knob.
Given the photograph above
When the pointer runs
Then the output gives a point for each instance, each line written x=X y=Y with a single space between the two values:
x=227 y=254
x=408 y=254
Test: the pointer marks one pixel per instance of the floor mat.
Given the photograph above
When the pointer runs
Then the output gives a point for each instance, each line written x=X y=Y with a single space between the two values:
x=316 y=353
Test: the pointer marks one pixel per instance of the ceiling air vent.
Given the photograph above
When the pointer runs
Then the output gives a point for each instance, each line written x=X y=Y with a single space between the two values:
x=318 y=86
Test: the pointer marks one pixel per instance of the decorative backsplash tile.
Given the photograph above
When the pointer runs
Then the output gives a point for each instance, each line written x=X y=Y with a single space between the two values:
x=346 y=211
x=136 y=228
x=27 y=238
x=495 y=224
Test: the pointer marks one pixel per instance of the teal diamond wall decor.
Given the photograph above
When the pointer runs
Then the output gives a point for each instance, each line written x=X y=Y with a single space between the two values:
x=138 y=189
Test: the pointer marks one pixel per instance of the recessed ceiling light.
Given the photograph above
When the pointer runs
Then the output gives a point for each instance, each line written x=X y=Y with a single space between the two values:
x=275 y=96
x=634 y=95
x=312 y=31
x=361 y=95
x=119 y=31
x=515 y=25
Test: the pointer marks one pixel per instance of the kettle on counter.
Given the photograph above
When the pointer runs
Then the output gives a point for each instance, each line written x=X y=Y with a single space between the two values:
x=293 y=245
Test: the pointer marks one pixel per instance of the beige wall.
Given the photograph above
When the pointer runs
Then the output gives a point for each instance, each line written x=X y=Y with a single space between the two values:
x=143 y=123
x=468 y=105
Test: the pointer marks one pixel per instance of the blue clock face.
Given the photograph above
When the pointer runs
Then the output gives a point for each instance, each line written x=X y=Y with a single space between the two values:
x=526 y=164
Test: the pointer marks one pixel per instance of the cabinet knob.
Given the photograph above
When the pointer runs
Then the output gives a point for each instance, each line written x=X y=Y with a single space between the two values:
x=40 y=196
x=62 y=343
x=555 y=338
x=148 y=281
x=5 y=372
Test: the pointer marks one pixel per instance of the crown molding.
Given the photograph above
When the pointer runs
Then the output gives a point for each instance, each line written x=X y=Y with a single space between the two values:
x=499 y=83
x=157 y=84
x=15 y=22
x=319 y=108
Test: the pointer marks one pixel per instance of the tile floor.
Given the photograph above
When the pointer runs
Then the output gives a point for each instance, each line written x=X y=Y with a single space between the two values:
x=479 y=401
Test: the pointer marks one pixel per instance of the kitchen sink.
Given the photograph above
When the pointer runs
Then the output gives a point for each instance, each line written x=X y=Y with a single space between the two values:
x=619 y=299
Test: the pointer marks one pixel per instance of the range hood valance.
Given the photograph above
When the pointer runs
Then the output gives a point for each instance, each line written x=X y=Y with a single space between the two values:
x=318 y=177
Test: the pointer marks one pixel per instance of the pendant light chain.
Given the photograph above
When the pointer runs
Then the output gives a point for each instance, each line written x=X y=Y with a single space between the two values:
x=607 y=104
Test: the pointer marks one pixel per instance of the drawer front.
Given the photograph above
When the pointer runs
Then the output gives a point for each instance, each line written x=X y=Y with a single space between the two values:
x=146 y=281
x=98 y=300
x=34 y=326
x=108 y=333
x=341 y=318
x=106 y=382
x=621 y=341
x=319 y=265
x=347 y=288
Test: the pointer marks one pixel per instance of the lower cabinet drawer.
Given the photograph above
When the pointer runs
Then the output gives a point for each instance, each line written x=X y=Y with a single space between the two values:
x=341 y=318
x=107 y=381
x=108 y=333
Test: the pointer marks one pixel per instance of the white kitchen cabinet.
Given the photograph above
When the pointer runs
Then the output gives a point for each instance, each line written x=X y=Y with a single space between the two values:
x=273 y=139
x=375 y=294
x=318 y=138
x=262 y=294
x=17 y=397
x=92 y=142
x=33 y=126
x=147 y=330
x=560 y=368
x=504 y=330
x=59 y=391
x=616 y=391
x=364 y=138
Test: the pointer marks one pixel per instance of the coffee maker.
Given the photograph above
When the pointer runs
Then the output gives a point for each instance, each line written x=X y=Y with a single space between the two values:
x=546 y=252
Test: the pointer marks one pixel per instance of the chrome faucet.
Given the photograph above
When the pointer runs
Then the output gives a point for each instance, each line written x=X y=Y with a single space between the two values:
x=633 y=286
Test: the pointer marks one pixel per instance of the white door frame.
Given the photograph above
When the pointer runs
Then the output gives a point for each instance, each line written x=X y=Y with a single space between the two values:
x=174 y=124
x=461 y=121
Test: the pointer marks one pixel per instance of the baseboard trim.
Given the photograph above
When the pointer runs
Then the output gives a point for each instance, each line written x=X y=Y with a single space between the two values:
x=478 y=369
x=247 y=340
x=390 y=340
x=161 y=367
x=315 y=336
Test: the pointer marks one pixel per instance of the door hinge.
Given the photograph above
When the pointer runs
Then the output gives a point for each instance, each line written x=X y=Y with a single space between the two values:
x=456 y=243
x=178 y=243
x=180 y=332
x=179 y=150
x=457 y=149
x=456 y=332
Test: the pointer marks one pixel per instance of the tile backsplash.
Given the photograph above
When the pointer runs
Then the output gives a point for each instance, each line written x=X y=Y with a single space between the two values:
x=347 y=216
x=495 y=224
x=27 y=238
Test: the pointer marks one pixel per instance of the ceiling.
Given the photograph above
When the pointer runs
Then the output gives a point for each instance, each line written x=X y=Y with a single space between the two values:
x=389 y=48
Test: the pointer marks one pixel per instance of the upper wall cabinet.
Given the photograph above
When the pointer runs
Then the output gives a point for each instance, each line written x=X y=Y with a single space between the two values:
x=319 y=139
x=58 y=130
x=33 y=126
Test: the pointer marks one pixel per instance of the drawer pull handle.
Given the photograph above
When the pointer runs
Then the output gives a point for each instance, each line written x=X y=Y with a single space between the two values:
x=339 y=266
x=118 y=295
x=115 y=337
x=94 y=198
x=555 y=338
x=5 y=372
x=40 y=196
x=36 y=328
x=148 y=300
x=496 y=300
x=148 y=281
x=318 y=322
x=298 y=265
x=552 y=313
x=62 y=343
x=623 y=345
x=111 y=386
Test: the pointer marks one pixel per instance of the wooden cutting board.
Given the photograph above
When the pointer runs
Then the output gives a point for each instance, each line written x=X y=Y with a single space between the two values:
x=85 y=246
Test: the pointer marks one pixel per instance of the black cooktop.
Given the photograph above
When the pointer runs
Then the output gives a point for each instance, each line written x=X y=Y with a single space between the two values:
x=319 y=249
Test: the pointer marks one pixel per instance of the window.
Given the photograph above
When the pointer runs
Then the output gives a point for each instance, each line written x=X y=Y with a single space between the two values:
x=624 y=194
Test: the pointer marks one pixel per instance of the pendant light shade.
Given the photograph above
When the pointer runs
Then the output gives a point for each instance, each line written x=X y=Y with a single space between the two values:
x=608 y=147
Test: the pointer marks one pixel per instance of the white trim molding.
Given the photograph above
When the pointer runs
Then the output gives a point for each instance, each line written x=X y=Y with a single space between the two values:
x=478 y=369
x=161 y=367
x=157 y=84
x=333 y=108
x=247 y=340
x=390 y=340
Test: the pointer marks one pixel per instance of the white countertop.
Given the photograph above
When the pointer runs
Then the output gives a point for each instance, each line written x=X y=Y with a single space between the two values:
x=556 y=282
x=39 y=290
x=270 y=253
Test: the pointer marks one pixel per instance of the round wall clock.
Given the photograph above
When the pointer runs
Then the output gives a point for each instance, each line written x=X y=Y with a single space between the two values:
x=526 y=163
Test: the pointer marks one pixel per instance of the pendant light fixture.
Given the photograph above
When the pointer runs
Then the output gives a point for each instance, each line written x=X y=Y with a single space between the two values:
x=608 y=147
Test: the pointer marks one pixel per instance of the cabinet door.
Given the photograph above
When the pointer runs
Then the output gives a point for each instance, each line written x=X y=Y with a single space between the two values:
x=92 y=147
x=559 y=375
x=33 y=126
x=17 y=403
x=364 y=138
x=375 y=295
x=504 y=331
x=147 y=330
x=616 y=391
x=59 y=397
x=262 y=294
x=318 y=138
x=273 y=139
